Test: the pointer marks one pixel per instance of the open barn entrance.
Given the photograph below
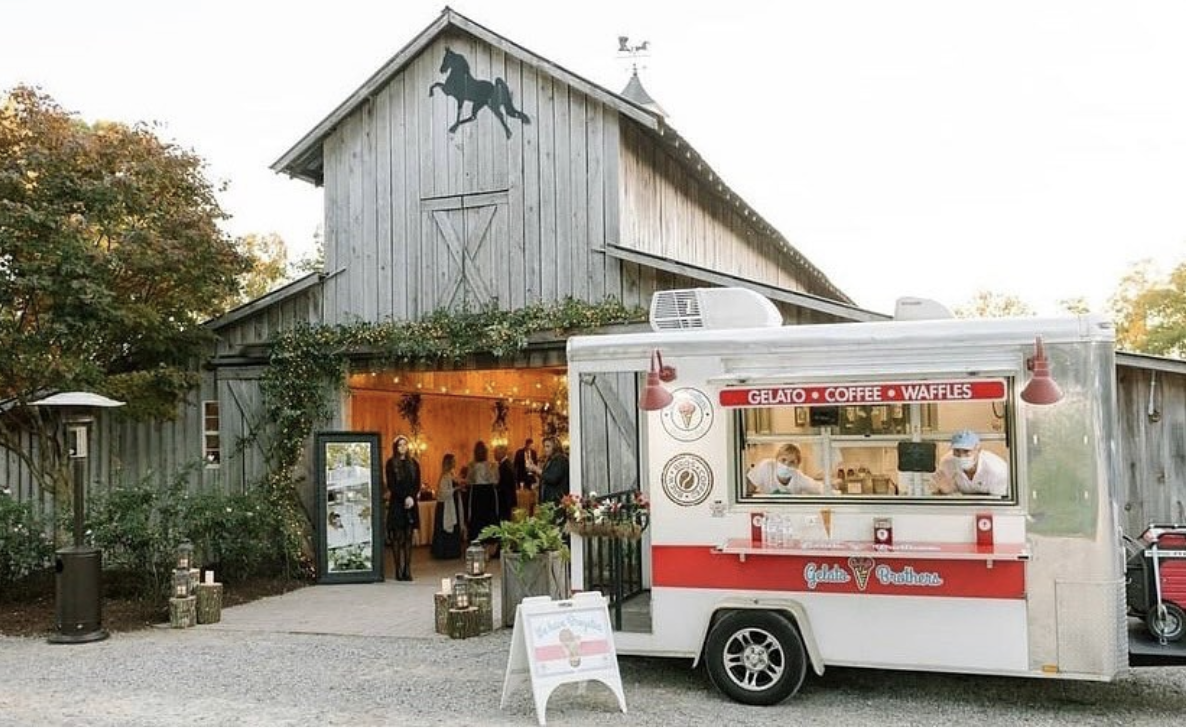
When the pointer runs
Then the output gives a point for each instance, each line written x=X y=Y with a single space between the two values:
x=449 y=411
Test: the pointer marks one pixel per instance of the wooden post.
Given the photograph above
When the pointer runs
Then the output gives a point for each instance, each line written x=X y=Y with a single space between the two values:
x=182 y=612
x=463 y=623
x=209 y=603
x=442 y=602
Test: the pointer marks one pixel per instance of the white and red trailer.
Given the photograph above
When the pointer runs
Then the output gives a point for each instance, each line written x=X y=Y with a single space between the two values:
x=876 y=570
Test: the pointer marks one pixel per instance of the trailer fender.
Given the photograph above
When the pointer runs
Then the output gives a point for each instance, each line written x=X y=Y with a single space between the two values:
x=789 y=608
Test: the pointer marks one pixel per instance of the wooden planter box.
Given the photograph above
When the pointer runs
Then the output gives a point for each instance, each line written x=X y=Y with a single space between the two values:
x=545 y=575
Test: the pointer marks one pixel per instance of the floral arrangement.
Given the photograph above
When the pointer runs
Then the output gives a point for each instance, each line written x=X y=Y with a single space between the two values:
x=616 y=516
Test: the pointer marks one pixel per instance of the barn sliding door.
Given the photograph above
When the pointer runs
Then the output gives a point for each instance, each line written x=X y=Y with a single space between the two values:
x=609 y=432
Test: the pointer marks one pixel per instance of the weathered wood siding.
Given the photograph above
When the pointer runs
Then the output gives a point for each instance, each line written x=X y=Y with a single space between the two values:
x=1152 y=450
x=668 y=211
x=124 y=452
x=412 y=208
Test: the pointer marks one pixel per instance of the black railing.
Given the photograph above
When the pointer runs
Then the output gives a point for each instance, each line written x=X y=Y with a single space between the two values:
x=613 y=565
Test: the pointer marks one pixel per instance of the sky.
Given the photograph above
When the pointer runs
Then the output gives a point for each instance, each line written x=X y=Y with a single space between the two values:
x=906 y=148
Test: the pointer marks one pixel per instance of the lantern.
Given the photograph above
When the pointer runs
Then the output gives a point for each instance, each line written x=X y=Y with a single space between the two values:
x=181 y=583
x=460 y=592
x=475 y=559
x=185 y=555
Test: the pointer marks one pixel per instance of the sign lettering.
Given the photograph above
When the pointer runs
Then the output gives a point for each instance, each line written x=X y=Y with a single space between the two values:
x=972 y=390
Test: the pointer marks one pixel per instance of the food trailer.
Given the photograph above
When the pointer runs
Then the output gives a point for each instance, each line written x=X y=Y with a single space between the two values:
x=874 y=568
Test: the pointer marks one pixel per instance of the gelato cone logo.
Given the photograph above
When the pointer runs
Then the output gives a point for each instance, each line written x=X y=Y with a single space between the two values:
x=572 y=646
x=862 y=567
x=689 y=417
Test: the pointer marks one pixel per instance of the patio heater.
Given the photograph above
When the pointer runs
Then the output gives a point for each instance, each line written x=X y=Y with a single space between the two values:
x=78 y=581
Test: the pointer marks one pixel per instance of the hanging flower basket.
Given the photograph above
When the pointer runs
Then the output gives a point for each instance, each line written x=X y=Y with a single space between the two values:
x=594 y=517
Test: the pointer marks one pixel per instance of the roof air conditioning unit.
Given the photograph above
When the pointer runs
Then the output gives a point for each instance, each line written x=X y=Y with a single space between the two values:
x=910 y=308
x=712 y=308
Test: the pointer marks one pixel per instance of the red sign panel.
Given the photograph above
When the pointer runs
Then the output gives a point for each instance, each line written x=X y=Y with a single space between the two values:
x=701 y=567
x=961 y=390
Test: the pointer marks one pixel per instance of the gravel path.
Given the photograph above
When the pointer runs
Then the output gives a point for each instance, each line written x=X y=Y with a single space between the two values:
x=209 y=677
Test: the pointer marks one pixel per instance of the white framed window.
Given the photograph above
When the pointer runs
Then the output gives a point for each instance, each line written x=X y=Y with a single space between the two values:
x=211 y=445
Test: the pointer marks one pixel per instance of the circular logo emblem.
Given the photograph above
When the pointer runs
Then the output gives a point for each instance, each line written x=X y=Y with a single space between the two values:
x=984 y=524
x=687 y=479
x=688 y=416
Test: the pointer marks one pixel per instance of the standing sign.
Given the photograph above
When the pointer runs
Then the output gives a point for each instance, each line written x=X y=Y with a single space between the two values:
x=557 y=642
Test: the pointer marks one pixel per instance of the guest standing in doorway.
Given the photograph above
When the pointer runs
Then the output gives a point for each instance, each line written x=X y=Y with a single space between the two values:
x=446 y=537
x=403 y=517
x=483 y=492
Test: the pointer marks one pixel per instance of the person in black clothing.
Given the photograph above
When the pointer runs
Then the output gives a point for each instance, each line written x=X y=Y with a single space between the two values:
x=482 y=508
x=553 y=473
x=403 y=516
x=506 y=483
x=524 y=455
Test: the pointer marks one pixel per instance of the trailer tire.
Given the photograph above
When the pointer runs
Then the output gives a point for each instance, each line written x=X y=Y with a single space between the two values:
x=1172 y=627
x=756 y=657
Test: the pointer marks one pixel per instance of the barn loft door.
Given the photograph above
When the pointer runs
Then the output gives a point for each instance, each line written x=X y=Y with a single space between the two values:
x=464 y=248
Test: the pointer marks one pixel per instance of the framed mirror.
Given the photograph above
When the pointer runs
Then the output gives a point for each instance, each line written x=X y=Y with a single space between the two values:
x=349 y=507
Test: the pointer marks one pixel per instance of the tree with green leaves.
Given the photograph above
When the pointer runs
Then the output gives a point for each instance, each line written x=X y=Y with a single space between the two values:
x=1150 y=311
x=986 y=304
x=111 y=256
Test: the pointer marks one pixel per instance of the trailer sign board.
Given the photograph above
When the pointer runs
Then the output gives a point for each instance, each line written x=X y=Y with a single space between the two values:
x=968 y=390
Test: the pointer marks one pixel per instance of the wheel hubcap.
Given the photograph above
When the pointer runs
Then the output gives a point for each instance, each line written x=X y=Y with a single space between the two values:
x=754 y=659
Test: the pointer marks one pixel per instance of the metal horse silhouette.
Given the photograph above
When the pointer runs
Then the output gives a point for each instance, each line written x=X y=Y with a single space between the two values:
x=462 y=86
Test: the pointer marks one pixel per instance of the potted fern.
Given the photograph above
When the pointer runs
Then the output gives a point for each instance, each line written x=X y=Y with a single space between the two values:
x=534 y=557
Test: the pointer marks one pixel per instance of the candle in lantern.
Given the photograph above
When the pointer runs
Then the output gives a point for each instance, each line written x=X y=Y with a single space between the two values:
x=210 y=576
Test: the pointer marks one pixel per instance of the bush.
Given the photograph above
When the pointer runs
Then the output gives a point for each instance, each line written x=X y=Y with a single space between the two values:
x=25 y=543
x=140 y=525
x=241 y=535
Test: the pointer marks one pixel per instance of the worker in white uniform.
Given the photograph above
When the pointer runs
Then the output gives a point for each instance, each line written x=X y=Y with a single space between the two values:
x=781 y=474
x=970 y=470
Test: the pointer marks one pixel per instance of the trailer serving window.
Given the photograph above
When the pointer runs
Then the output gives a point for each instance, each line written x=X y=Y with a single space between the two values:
x=874 y=440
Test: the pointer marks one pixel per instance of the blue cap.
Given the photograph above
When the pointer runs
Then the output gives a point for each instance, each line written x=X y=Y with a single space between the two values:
x=965 y=440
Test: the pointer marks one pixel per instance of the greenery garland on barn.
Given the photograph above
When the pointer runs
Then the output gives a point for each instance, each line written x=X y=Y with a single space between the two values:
x=309 y=365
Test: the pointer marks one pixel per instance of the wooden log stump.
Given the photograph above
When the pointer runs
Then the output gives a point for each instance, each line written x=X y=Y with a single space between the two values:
x=481 y=596
x=463 y=623
x=441 y=603
x=209 y=603
x=182 y=612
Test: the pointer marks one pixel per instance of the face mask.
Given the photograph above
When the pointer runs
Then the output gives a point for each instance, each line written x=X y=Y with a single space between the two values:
x=966 y=463
x=785 y=472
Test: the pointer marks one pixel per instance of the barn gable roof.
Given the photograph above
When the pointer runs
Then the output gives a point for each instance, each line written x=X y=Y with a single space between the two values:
x=305 y=159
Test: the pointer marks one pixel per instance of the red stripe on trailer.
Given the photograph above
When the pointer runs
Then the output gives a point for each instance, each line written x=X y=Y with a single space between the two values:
x=704 y=568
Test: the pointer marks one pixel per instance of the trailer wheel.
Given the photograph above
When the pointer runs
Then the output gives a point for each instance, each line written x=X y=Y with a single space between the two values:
x=756 y=657
x=1172 y=627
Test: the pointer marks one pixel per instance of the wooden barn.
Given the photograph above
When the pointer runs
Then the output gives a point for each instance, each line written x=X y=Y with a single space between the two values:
x=548 y=187
x=470 y=172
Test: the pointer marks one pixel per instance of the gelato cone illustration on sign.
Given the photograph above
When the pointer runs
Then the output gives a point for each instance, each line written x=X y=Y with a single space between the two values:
x=862 y=567
x=572 y=646
x=689 y=417
x=825 y=516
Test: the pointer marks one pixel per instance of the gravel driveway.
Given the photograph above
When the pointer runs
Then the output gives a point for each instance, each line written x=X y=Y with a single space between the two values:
x=207 y=676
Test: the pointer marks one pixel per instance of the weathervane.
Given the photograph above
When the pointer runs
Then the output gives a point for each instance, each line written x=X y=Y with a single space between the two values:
x=633 y=52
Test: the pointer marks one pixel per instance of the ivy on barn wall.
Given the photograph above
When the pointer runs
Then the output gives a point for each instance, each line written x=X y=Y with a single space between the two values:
x=309 y=365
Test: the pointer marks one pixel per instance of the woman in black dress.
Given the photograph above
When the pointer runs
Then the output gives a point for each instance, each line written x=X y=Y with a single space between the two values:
x=403 y=516
x=483 y=492
x=553 y=473
x=446 y=536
